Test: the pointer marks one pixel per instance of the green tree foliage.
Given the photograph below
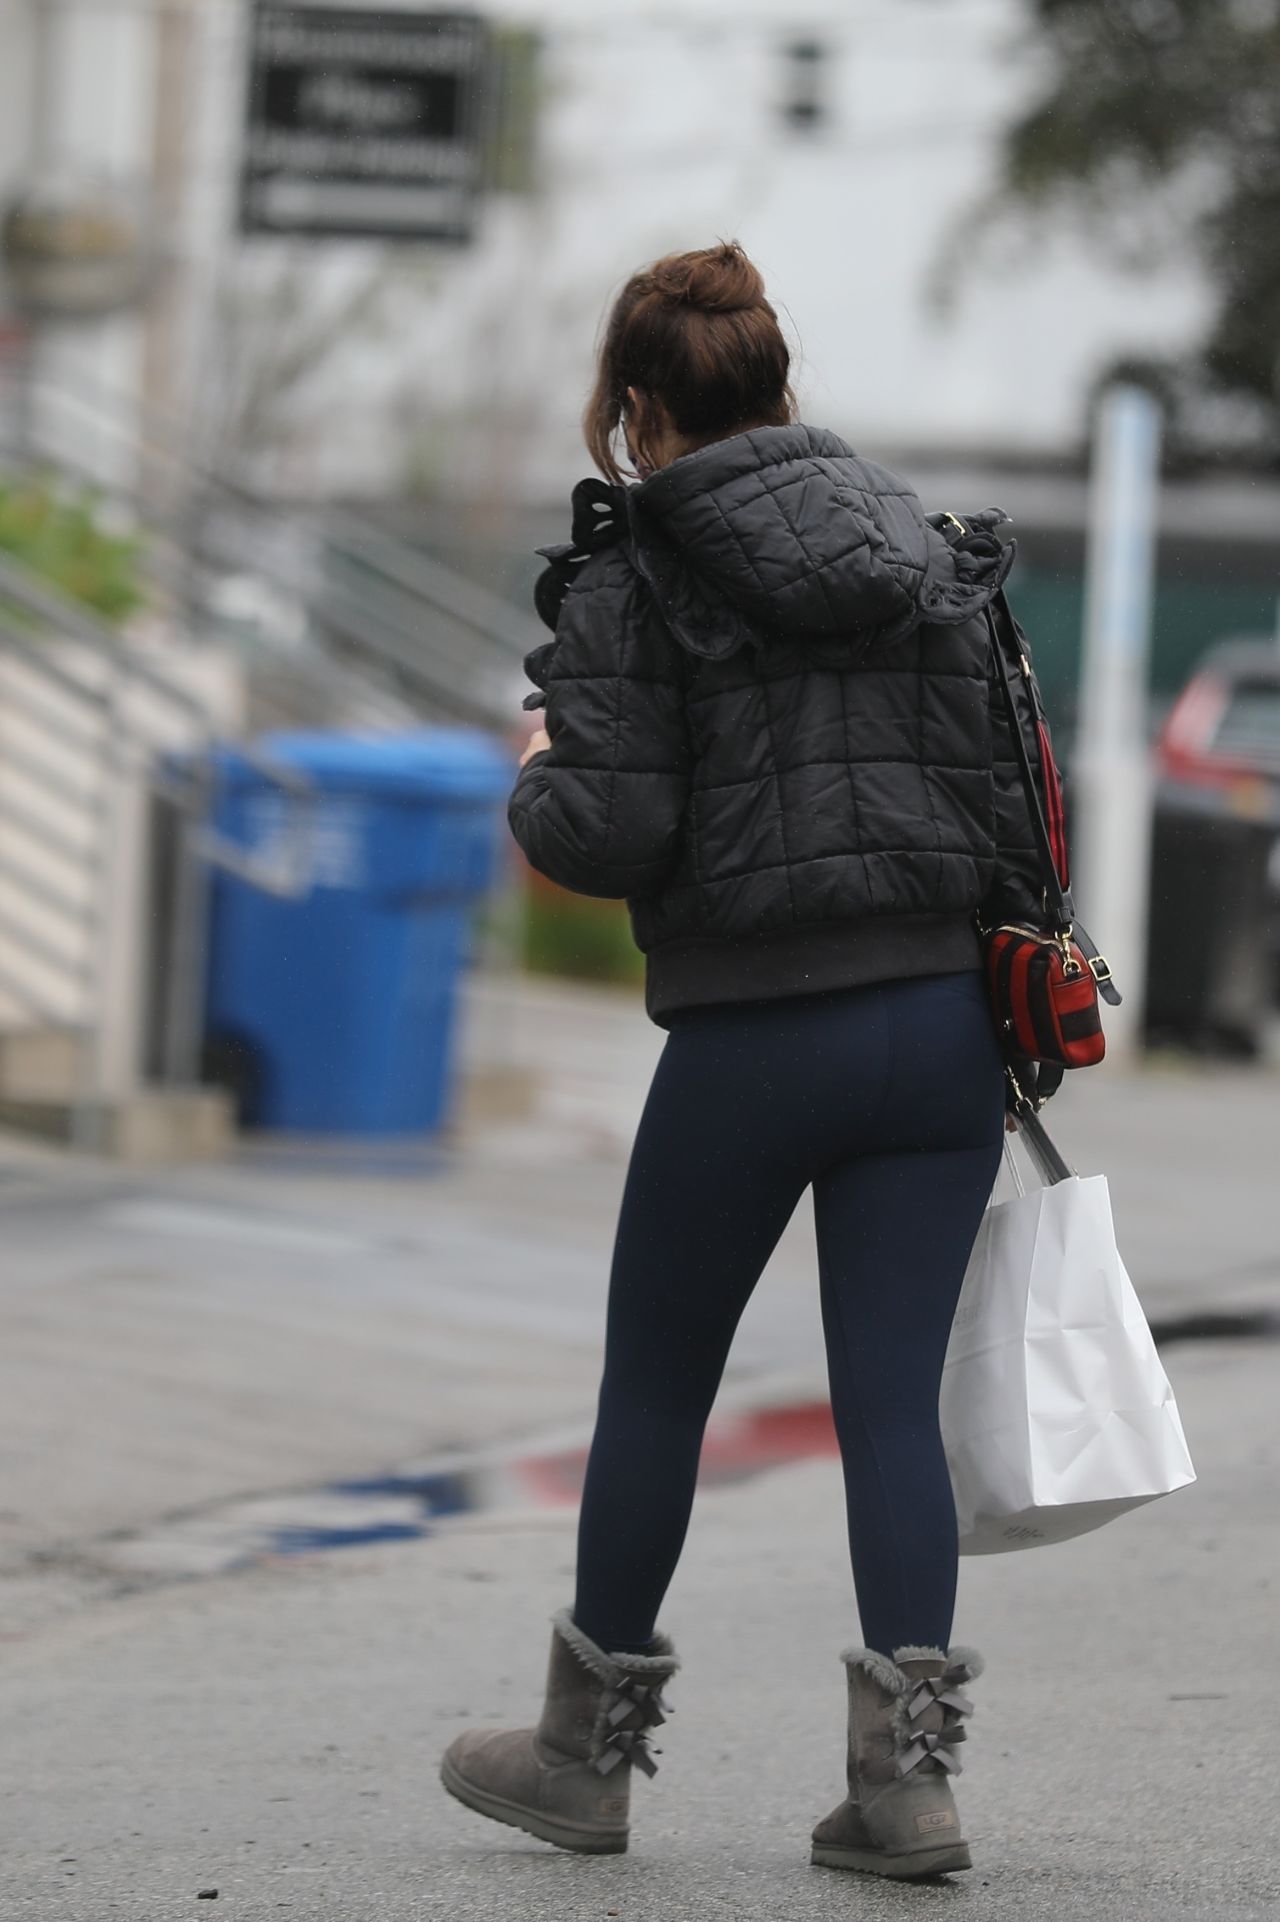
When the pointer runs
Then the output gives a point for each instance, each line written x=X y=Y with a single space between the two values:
x=1169 y=108
x=60 y=535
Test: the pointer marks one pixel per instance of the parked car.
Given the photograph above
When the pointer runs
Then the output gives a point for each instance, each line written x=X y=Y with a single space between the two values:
x=1218 y=816
x=1223 y=731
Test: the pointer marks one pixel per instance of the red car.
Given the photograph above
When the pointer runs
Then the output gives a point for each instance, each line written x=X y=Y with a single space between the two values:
x=1223 y=731
x=1218 y=765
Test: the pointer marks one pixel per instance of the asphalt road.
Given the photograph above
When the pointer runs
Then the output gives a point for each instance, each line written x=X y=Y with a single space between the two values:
x=189 y=1362
x=274 y=1735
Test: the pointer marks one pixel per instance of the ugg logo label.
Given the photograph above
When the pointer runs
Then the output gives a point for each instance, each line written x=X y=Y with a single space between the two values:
x=612 y=1805
x=936 y=1819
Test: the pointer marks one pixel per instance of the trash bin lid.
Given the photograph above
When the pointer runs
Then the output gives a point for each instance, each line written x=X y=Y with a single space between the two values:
x=440 y=763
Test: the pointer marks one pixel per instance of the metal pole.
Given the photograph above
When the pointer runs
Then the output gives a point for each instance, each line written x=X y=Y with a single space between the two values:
x=43 y=149
x=166 y=313
x=1113 y=771
x=186 y=945
x=90 y=1126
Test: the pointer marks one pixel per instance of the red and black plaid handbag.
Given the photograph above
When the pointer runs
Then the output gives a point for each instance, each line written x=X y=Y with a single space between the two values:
x=1044 y=982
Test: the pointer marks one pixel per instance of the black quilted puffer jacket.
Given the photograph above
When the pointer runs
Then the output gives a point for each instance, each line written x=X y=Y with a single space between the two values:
x=775 y=725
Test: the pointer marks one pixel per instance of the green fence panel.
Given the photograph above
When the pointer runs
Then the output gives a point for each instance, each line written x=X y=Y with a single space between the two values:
x=1191 y=613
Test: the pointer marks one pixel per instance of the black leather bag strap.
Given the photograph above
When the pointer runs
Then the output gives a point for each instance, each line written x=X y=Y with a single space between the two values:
x=1059 y=906
x=1102 y=974
x=1058 y=902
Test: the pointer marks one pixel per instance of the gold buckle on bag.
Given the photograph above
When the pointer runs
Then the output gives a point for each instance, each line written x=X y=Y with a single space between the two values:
x=1070 y=966
x=1025 y=1105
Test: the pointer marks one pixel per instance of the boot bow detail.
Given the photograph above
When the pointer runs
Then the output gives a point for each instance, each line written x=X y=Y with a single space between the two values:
x=626 y=1745
x=936 y=1691
x=636 y=1707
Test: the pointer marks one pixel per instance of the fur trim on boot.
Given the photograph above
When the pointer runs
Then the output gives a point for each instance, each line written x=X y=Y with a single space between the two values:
x=663 y=1662
x=568 y=1780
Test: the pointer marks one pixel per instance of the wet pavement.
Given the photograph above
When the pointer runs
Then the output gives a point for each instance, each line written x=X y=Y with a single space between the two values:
x=275 y=1734
x=292 y=1447
x=423 y=1499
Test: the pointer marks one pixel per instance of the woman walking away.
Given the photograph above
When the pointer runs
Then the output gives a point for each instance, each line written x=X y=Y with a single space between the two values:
x=772 y=726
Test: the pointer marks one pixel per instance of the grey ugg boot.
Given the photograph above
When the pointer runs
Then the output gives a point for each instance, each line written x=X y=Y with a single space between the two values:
x=906 y=1718
x=568 y=1780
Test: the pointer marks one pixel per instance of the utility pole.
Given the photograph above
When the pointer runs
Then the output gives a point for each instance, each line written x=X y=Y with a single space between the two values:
x=1113 y=774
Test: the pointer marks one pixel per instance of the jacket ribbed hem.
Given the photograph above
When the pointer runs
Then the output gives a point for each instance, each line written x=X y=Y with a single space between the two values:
x=704 y=971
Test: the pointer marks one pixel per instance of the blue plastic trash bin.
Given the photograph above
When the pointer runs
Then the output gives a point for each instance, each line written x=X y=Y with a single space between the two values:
x=336 y=1009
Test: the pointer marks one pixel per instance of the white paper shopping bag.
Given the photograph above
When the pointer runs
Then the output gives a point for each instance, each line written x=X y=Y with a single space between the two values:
x=1056 y=1412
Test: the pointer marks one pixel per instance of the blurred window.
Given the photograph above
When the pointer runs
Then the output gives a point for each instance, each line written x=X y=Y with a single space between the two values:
x=804 y=103
x=1250 y=726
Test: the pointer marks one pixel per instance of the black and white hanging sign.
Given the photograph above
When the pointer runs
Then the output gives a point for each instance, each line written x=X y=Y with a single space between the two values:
x=363 y=124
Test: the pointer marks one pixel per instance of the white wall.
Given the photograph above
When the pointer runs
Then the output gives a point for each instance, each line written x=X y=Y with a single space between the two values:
x=15 y=22
x=94 y=124
x=667 y=135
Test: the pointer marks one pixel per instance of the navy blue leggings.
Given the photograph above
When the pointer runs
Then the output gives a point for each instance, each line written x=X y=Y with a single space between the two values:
x=888 y=1100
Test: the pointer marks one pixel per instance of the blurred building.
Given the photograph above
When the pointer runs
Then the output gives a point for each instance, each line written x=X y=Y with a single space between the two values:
x=227 y=309
x=852 y=147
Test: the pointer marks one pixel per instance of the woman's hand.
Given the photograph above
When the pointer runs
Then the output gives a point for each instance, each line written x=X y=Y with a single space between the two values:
x=537 y=741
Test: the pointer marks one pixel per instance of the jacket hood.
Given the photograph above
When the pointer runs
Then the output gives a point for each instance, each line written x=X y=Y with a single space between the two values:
x=786 y=532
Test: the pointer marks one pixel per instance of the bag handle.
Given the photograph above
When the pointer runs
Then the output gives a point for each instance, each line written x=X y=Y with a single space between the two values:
x=1011 y=1163
x=1049 y=1163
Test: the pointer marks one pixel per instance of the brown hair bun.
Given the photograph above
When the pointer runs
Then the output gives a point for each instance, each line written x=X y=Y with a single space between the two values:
x=717 y=280
x=695 y=331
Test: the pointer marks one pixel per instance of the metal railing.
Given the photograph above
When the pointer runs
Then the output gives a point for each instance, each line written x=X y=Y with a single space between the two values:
x=379 y=623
